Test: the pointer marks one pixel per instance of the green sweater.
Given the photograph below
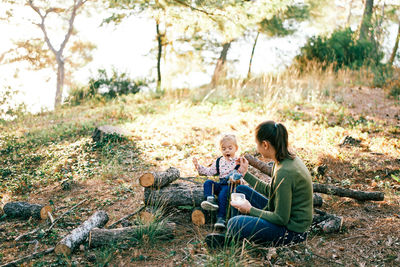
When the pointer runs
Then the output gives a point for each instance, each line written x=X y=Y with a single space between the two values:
x=290 y=195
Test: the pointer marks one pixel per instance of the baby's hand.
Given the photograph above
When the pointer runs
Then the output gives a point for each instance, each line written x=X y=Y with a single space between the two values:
x=196 y=163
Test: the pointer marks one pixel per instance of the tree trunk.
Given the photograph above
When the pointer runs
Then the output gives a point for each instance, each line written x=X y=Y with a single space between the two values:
x=24 y=210
x=159 y=55
x=323 y=188
x=366 y=20
x=99 y=237
x=159 y=179
x=183 y=194
x=60 y=81
x=78 y=235
x=251 y=56
x=349 y=15
x=396 y=46
x=220 y=68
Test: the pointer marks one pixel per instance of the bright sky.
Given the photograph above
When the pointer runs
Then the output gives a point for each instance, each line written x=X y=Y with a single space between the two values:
x=126 y=48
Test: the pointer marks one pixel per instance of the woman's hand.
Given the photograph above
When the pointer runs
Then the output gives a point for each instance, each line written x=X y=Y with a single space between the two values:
x=243 y=207
x=244 y=165
x=196 y=163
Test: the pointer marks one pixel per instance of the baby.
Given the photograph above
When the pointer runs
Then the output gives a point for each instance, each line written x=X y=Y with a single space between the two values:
x=226 y=167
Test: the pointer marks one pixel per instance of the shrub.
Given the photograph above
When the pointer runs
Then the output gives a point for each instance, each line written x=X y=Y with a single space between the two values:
x=104 y=86
x=8 y=109
x=340 y=49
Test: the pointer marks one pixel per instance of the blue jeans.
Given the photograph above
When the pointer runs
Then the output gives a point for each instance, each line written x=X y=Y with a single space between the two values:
x=221 y=190
x=257 y=229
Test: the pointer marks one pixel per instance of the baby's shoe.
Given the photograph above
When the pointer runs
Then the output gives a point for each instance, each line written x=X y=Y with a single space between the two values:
x=220 y=224
x=209 y=204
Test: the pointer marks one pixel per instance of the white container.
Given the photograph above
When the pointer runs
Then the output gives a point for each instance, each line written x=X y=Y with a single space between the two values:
x=237 y=198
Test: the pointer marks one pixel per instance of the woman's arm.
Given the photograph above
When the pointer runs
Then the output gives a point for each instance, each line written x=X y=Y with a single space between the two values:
x=258 y=185
x=282 y=203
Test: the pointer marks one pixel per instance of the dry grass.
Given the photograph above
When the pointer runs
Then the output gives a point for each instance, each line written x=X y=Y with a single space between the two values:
x=319 y=109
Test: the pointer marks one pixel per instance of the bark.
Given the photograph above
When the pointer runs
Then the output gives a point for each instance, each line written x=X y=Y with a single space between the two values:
x=78 y=235
x=27 y=258
x=60 y=79
x=99 y=237
x=344 y=192
x=159 y=179
x=327 y=223
x=24 y=210
x=252 y=55
x=396 y=46
x=220 y=68
x=264 y=167
x=366 y=20
x=182 y=194
x=103 y=131
x=323 y=188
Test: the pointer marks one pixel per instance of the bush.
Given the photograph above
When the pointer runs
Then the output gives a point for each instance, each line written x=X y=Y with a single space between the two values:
x=105 y=86
x=8 y=109
x=340 y=49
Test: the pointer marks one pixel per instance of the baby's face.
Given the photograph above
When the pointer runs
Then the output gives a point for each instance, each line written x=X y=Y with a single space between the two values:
x=228 y=149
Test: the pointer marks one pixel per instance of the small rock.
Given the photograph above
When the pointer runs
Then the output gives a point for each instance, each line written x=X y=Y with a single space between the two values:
x=351 y=141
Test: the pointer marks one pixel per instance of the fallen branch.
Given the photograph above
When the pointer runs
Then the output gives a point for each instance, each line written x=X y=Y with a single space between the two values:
x=264 y=167
x=27 y=258
x=159 y=179
x=78 y=235
x=99 y=237
x=323 y=188
x=126 y=217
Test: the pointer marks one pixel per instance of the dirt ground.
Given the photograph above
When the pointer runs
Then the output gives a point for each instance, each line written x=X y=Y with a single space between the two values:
x=370 y=235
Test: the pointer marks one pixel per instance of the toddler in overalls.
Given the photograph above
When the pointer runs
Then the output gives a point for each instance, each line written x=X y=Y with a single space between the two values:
x=226 y=167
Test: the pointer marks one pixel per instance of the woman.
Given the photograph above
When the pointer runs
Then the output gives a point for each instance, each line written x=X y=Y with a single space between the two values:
x=280 y=212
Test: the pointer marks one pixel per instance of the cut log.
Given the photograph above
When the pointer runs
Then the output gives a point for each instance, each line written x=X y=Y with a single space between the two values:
x=264 y=167
x=24 y=210
x=102 y=132
x=327 y=223
x=201 y=217
x=99 y=237
x=159 y=179
x=78 y=235
x=327 y=189
x=126 y=217
x=344 y=192
x=183 y=194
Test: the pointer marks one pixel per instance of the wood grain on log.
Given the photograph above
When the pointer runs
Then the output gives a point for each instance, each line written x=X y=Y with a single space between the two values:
x=159 y=179
x=79 y=234
x=24 y=210
x=100 y=237
x=326 y=189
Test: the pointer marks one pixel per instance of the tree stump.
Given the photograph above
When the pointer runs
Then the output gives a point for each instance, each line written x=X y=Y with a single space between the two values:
x=24 y=210
x=99 y=237
x=78 y=235
x=101 y=132
x=159 y=179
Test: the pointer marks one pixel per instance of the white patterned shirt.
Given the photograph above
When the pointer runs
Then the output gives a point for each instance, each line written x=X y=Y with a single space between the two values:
x=225 y=167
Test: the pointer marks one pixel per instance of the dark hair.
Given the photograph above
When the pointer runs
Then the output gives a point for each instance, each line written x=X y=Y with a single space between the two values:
x=277 y=135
